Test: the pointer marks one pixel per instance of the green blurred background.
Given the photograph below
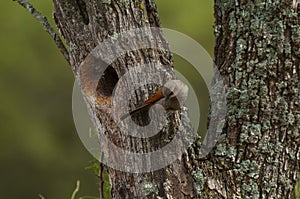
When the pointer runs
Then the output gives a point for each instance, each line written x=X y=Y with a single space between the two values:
x=40 y=150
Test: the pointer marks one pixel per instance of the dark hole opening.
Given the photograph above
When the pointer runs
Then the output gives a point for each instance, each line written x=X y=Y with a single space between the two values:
x=107 y=82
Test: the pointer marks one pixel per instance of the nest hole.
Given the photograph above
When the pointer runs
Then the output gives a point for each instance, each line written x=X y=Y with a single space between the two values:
x=107 y=82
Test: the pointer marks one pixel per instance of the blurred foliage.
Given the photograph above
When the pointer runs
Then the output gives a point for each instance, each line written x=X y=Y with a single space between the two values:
x=40 y=150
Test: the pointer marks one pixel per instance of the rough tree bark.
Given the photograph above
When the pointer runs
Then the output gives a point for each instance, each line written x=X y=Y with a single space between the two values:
x=84 y=25
x=257 y=53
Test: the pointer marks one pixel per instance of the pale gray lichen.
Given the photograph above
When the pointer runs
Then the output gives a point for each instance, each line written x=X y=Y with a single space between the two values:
x=244 y=132
x=264 y=144
x=185 y=129
x=148 y=188
x=278 y=147
x=152 y=4
x=290 y=118
x=250 y=190
x=244 y=97
x=255 y=133
x=247 y=167
x=199 y=180
x=266 y=125
x=285 y=180
x=114 y=37
x=227 y=151
x=231 y=152
x=72 y=46
x=126 y=2
x=221 y=150
x=106 y=1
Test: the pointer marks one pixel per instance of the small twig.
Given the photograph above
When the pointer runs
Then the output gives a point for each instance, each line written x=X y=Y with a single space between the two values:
x=76 y=190
x=41 y=196
x=46 y=25
x=101 y=181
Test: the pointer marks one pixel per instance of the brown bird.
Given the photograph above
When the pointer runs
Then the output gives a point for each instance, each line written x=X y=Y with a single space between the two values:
x=171 y=96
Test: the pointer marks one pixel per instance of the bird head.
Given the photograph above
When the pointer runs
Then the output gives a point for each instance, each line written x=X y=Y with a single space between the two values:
x=175 y=88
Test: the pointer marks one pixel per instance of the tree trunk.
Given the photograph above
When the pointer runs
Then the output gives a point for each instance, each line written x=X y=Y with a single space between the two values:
x=257 y=53
x=84 y=25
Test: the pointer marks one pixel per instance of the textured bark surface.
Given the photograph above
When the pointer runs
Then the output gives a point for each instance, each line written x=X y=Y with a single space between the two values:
x=84 y=25
x=257 y=52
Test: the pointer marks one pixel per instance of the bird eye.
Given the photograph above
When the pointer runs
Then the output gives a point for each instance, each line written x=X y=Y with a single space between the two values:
x=171 y=94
